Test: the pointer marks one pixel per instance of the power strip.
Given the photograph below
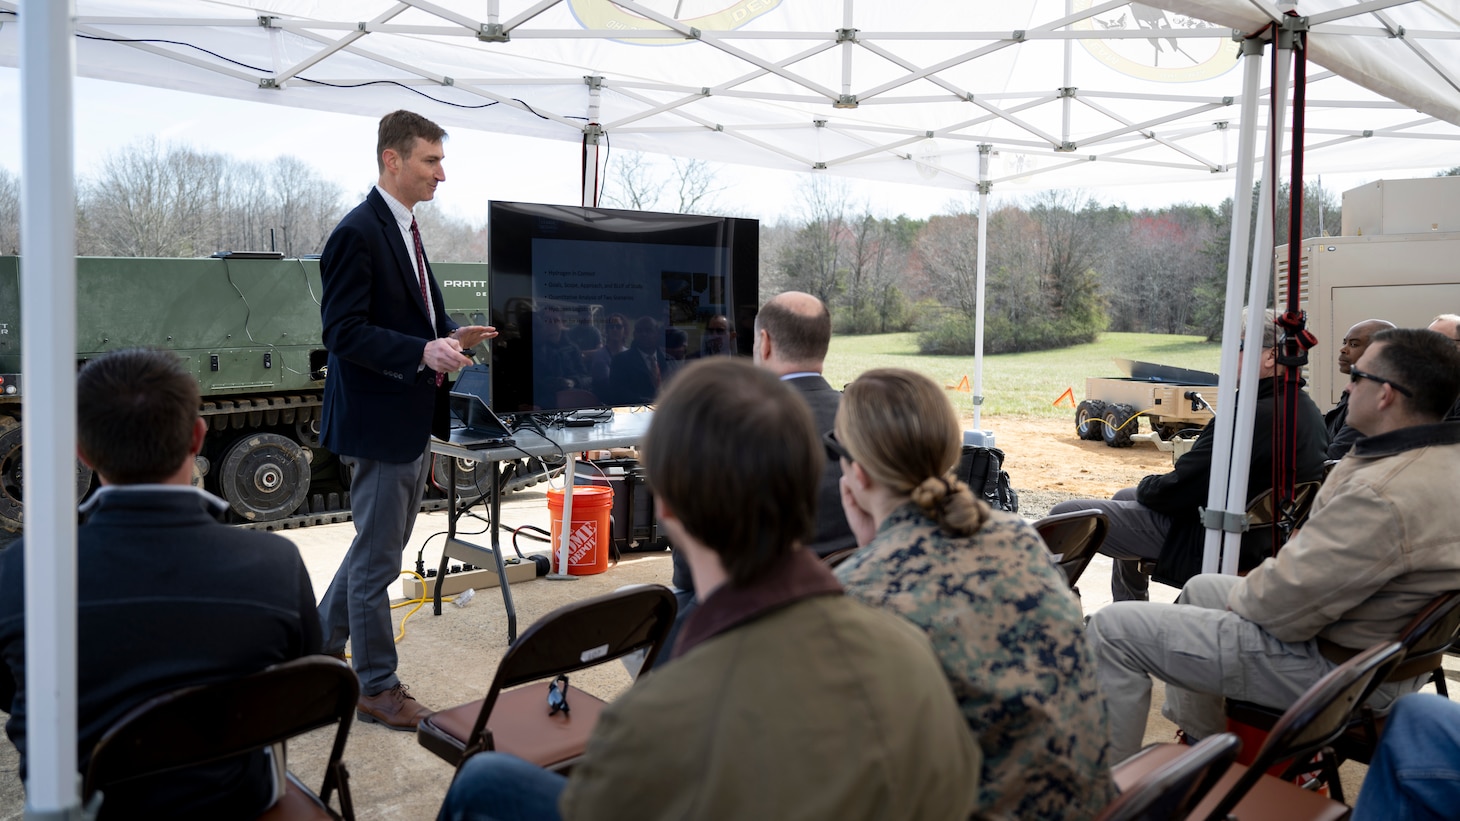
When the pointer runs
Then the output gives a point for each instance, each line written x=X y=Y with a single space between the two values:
x=477 y=578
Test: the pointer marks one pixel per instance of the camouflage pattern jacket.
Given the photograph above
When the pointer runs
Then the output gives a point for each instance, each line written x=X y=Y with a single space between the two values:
x=1011 y=640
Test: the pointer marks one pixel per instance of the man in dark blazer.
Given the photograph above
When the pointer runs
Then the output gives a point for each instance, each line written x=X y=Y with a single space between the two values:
x=635 y=374
x=167 y=596
x=390 y=344
x=792 y=335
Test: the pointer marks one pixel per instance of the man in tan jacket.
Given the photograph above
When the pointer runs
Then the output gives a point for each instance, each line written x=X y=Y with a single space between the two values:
x=1383 y=540
x=786 y=699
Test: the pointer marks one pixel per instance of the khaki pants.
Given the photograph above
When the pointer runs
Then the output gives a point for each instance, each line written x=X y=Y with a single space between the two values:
x=1204 y=653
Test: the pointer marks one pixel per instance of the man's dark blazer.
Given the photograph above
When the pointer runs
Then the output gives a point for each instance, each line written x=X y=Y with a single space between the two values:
x=378 y=402
x=832 y=531
x=166 y=597
x=629 y=379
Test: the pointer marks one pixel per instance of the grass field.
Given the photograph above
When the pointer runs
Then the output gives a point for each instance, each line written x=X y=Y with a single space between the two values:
x=1024 y=383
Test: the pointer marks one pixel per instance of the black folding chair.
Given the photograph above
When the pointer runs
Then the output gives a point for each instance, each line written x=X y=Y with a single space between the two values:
x=530 y=721
x=1074 y=538
x=1170 y=792
x=210 y=722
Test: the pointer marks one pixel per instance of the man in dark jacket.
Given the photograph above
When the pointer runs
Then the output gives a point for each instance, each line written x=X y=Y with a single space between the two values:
x=1341 y=436
x=166 y=595
x=1159 y=520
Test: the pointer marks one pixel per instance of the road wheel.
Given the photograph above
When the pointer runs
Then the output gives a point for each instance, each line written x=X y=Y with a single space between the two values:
x=12 y=493
x=1115 y=430
x=1089 y=419
x=473 y=479
x=265 y=477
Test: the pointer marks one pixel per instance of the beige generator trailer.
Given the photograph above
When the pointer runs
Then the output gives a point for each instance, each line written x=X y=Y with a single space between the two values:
x=1398 y=260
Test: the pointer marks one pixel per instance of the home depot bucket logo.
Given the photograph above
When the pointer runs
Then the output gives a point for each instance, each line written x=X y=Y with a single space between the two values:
x=1164 y=59
x=602 y=14
x=583 y=544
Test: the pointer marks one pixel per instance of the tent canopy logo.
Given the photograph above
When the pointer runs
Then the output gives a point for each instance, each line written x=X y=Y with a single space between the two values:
x=707 y=15
x=1161 y=57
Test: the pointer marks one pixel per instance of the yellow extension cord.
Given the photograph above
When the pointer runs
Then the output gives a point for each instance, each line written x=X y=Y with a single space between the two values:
x=419 y=603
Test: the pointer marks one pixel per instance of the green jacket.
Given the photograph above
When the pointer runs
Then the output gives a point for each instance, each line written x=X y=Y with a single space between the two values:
x=814 y=708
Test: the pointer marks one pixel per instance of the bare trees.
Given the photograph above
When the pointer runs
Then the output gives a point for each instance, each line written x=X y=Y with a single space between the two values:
x=638 y=182
x=9 y=213
x=157 y=200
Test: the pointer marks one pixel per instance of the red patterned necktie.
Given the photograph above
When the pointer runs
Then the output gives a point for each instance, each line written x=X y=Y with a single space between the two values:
x=421 y=273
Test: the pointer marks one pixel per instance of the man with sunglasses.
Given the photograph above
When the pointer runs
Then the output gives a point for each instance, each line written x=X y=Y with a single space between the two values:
x=787 y=698
x=1341 y=437
x=1383 y=541
x=1160 y=518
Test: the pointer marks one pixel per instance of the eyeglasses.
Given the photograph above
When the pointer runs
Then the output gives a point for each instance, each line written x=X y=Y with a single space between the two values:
x=834 y=449
x=558 y=698
x=1354 y=375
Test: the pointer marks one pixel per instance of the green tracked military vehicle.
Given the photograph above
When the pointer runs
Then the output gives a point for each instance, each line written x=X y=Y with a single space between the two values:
x=248 y=327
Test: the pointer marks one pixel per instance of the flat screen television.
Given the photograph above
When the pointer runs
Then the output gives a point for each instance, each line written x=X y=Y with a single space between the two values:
x=598 y=307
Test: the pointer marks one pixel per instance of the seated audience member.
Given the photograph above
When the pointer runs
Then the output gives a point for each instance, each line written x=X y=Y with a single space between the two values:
x=792 y=336
x=1449 y=326
x=635 y=374
x=166 y=595
x=985 y=589
x=1382 y=541
x=1341 y=437
x=584 y=335
x=787 y=699
x=615 y=339
x=557 y=364
x=1159 y=519
x=1415 y=773
x=676 y=345
x=717 y=340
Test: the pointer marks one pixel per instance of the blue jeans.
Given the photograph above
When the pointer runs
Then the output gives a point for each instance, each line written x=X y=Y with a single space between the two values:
x=502 y=787
x=1415 y=774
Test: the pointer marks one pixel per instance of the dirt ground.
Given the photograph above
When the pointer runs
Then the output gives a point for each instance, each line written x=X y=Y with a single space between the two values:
x=1047 y=463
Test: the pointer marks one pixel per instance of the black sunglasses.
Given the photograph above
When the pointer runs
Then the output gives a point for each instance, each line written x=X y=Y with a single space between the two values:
x=558 y=698
x=1354 y=375
x=834 y=449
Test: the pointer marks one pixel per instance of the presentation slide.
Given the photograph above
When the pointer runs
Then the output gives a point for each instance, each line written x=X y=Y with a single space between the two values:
x=633 y=279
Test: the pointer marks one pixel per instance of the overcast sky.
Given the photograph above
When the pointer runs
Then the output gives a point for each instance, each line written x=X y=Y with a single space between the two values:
x=480 y=166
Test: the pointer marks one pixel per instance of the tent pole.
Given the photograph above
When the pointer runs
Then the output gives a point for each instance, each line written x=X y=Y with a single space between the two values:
x=592 y=137
x=1257 y=295
x=48 y=360
x=983 y=234
x=1252 y=49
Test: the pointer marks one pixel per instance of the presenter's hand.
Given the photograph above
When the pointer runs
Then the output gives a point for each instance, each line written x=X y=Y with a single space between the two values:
x=444 y=356
x=470 y=336
x=860 y=521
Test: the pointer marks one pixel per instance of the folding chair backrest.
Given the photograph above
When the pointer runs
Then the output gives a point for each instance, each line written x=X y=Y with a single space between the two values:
x=1074 y=538
x=1170 y=792
x=1427 y=636
x=588 y=633
x=1317 y=718
x=210 y=722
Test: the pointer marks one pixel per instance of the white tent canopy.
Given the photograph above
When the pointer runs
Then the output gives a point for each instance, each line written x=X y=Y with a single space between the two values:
x=1069 y=93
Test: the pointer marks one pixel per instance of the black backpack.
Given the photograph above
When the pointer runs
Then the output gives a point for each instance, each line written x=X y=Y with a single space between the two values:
x=982 y=469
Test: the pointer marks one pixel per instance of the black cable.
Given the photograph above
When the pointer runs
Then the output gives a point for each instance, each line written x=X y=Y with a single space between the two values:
x=302 y=78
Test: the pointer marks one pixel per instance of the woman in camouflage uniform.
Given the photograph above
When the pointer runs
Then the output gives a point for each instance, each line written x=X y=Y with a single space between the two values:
x=983 y=586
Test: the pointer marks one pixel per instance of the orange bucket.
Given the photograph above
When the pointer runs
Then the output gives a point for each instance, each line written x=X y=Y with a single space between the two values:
x=588 y=542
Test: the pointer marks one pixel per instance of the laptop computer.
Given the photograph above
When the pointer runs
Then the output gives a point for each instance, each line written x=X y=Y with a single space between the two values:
x=475 y=425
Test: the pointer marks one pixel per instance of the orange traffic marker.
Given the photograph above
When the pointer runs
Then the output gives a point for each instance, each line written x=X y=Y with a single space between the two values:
x=1069 y=392
x=961 y=387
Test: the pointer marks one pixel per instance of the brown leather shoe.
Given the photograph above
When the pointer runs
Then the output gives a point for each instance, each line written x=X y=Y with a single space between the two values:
x=395 y=708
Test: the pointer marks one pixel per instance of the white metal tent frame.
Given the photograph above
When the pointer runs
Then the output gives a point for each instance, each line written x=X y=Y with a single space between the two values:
x=924 y=93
